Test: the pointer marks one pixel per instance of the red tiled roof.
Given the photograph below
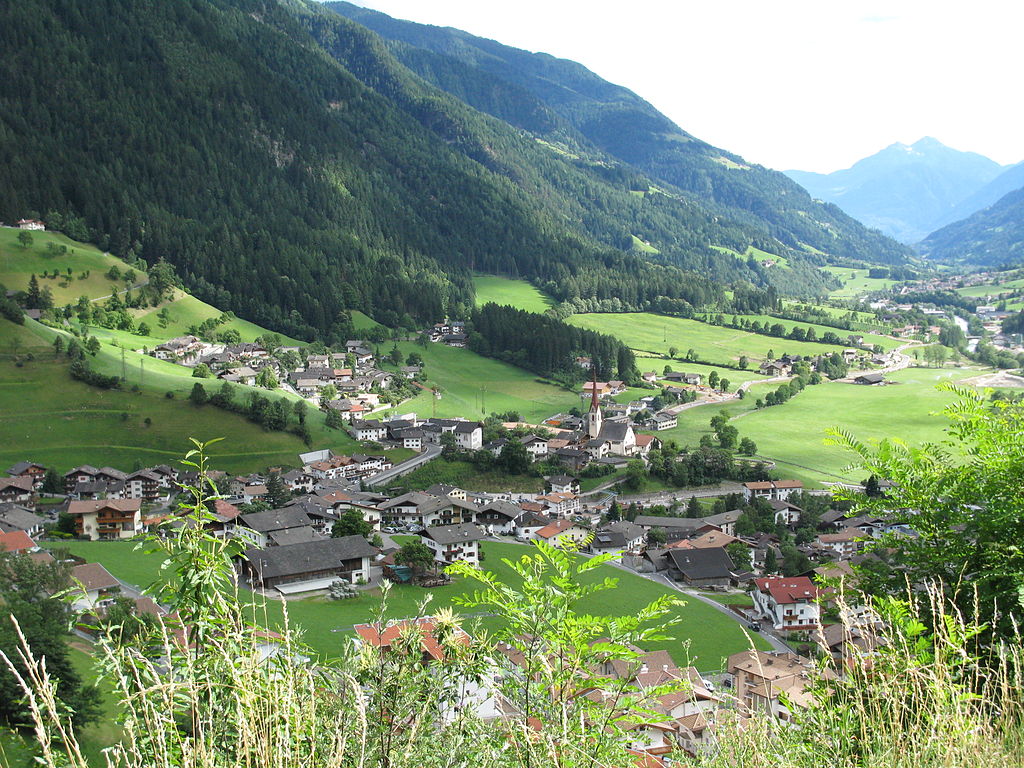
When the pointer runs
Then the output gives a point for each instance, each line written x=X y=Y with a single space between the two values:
x=226 y=510
x=16 y=541
x=372 y=635
x=788 y=589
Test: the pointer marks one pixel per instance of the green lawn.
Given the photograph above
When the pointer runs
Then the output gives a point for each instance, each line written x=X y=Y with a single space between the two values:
x=856 y=282
x=186 y=310
x=642 y=247
x=654 y=334
x=18 y=264
x=705 y=636
x=793 y=434
x=46 y=416
x=991 y=289
x=517 y=293
x=473 y=386
x=363 y=322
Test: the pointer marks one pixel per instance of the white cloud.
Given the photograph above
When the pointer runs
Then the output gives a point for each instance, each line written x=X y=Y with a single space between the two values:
x=790 y=84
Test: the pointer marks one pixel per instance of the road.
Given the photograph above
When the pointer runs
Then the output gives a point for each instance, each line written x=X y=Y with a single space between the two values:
x=430 y=452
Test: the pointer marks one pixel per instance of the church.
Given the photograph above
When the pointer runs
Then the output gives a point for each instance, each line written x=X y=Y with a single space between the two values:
x=613 y=438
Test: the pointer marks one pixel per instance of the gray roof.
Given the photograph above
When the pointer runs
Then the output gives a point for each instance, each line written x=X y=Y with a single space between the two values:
x=723 y=518
x=630 y=530
x=502 y=507
x=13 y=517
x=655 y=521
x=614 y=432
x=709 y=563
x=308 y=557
x=561 y=479
x=294 y=536
x=21 y=466
x=453 y=534
x=276 y=520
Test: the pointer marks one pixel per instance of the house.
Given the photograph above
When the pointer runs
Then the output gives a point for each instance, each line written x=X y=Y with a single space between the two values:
x=528 y=523
x=849 y=355
x=107 y=519
x=256 y=527
x=663 y=420
x=454 y=542
x=649 y=376
x=310 y=565
x=771 y=489
x=771 y=683
x=644 y=444
x=785 y=513
x=711 y=540
x=725 y=521
x=685 y=526
x=700 y=567
x=681 y=377
x=774 y=368
x=600 y=388
x=620 y=437
x=31 y=224
x=384 y=637
x=573 y=458
x=562 y=484
x=560 y=504
x=82 y=474
x=18 y=518
x=424 y=510
x=16 y=490
x=788 y=602
x=870 y=379
x=93 y=586
x=373 y=431
x=498 y=516
x=182 y=349
x=411 y=371
x=535 y=446
x=29 y=469
x=144 y=484
x=619 y=536
x=469 y=435
x=562 y=532
x=16 y=542
x=845 y=544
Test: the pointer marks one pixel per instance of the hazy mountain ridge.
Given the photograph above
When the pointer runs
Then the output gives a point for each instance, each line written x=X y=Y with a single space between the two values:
x=906 y=191
x=991 y=237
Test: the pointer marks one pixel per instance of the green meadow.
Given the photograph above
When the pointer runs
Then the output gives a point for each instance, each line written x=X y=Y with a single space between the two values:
x=653 y=334
x=704 y=636
x=516 y=293
x=474 y=386
x=18 y=264
x=793 y=434
x=856 y=282
x=886 y=342
x=185 y=310
x=47 y=416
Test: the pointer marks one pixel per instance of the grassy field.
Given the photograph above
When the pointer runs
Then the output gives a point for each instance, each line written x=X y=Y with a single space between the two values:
x=991 y=289
x=465 y=474
x=705 y=636
x=46 y=416
x=185 y=310
x=856 y=282
x=473 y=386
x=793 y=434
x=18 y=264
x=516 y=293
x=885 y=342
x=654 y=334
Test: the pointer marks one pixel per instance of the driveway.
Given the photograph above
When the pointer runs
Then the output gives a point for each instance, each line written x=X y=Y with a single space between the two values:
x=430 y=452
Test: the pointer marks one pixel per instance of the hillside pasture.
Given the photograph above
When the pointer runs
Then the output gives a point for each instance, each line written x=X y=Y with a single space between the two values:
x=856 y=282
x=473 y=386
x=18 y=264
x=886 y=342
x=516 y=293
x=651 y=334
x=185 y=310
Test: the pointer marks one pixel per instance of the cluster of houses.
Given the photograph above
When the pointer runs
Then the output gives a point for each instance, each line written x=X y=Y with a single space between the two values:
x=449 y=332
x=352 y=373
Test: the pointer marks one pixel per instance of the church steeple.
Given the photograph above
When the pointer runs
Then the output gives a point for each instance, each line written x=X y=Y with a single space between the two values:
x=594 y=416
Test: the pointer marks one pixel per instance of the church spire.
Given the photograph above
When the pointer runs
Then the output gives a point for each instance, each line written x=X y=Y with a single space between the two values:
x=593 y=386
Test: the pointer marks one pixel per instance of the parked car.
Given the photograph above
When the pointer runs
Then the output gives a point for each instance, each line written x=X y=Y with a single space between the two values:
x=754 y=626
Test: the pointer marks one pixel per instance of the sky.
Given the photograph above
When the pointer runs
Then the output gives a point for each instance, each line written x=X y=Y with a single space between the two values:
x=791 y=84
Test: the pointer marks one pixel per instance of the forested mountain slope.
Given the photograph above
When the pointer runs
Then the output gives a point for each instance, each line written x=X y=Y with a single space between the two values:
x=291 y=167
x=563 y=101
x=992 y=237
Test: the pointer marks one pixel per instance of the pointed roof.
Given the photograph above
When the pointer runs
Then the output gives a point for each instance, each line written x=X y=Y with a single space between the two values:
x=594 y=405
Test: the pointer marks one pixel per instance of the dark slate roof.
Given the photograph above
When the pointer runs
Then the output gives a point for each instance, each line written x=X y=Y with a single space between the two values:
x=723 y=518
x=22 y=466
x=276 y=520
x=561 y=480
x=295 y=559
x=614 y=432
x=453 y=534
x=710 y=563
x=504 y=508
x=294 y=536
x=655 y=521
